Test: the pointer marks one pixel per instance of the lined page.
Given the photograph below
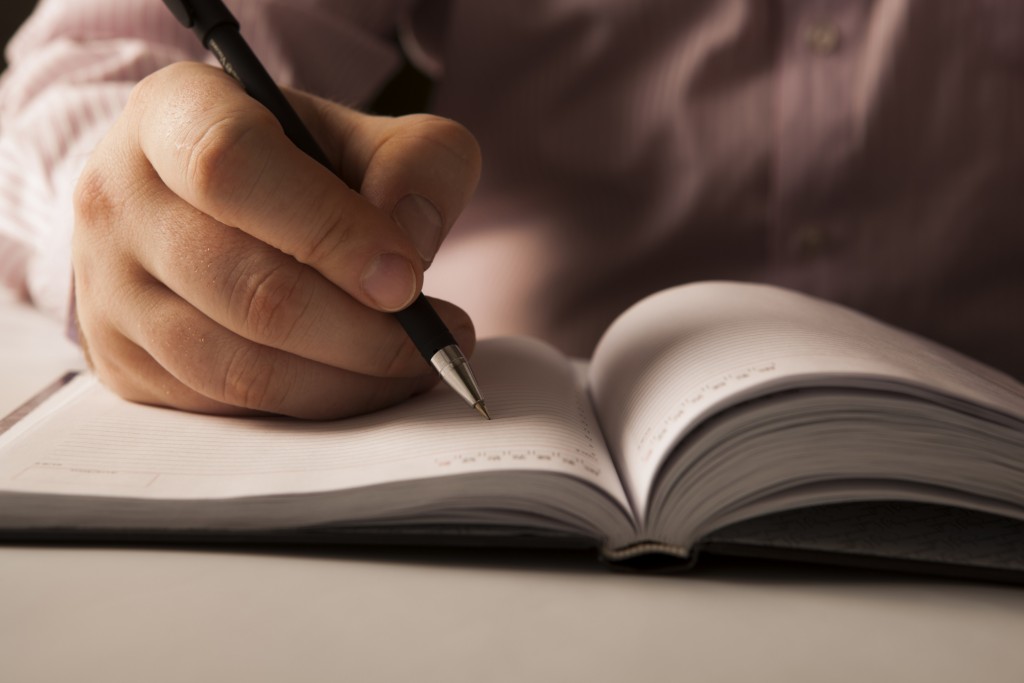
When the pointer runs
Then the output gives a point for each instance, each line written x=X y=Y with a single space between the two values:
x=90 y=442
x=688 y=352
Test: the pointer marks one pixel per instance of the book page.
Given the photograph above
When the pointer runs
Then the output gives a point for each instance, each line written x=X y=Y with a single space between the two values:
x=88 y=442
x=686 y=353
x=892 y=530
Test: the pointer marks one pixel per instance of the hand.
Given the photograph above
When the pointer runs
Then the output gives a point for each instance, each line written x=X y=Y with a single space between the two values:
x=219 y=269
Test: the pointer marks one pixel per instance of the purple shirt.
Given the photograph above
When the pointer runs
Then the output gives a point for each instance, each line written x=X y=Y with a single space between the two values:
x=867 y=152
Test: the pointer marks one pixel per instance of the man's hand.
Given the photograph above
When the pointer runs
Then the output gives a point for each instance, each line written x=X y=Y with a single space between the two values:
x=219 y=269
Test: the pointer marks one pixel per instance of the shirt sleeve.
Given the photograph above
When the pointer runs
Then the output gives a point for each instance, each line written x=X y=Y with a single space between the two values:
x=72 y=66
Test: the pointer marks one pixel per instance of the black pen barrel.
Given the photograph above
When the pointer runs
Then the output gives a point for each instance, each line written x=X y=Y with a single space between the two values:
x=425 y=327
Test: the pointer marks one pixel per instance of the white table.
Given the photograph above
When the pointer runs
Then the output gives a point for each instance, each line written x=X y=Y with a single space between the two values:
x=137 y=614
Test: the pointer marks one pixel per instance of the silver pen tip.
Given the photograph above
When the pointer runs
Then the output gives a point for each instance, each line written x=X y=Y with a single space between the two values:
x=454 y=369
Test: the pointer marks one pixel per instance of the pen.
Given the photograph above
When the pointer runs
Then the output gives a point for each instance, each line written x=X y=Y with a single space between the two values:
x=218 y=30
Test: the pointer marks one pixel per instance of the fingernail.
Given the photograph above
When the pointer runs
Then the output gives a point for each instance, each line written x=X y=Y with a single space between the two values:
x=390 y=282
x=421 y=221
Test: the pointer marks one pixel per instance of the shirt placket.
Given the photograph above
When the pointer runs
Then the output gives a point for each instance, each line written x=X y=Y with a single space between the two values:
x=819 y=45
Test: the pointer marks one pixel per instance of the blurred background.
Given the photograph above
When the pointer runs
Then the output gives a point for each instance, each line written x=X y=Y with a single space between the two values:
x=12 y=14
x=408 y=92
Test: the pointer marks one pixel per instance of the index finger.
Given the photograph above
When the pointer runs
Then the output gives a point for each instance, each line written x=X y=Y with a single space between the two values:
x=225 y=154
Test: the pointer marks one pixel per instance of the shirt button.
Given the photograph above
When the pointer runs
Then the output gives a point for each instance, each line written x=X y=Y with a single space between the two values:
x=822 y=38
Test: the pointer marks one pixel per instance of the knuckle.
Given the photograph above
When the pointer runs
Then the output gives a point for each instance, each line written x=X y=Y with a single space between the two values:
x=216 y=139
x=330 y=234
x=213 y=141
x=249 y=379
x=222 y=166
x=273 y=301
x=207 y=364
x=94 y=202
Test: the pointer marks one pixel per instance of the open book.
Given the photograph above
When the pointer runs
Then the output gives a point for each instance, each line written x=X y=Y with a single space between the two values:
x=728 y=417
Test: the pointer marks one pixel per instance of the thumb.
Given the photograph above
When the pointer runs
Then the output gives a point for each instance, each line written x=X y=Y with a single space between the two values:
x=419 y=169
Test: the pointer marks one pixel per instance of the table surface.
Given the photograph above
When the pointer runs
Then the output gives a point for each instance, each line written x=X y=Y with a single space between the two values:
x=173 y=614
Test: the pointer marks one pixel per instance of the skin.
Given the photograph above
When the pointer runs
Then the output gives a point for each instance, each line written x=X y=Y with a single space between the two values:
x=218 y=269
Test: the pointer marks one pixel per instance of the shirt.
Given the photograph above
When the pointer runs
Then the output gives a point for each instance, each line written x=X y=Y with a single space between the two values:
x=868 y=152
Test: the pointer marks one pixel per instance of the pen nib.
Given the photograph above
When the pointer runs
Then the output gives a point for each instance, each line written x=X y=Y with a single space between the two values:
x=454 y=369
